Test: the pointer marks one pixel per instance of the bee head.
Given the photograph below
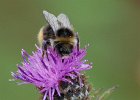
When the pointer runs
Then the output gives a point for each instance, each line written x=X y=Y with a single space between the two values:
x=64 y=49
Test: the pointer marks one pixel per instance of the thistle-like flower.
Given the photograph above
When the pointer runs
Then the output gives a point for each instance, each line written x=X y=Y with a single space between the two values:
x=56 y=78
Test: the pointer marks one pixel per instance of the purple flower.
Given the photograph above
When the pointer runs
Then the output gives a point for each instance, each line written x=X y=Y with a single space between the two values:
x=47 y=73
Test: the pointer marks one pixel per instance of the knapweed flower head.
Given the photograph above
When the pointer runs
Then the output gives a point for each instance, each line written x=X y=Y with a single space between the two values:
x=54 y=76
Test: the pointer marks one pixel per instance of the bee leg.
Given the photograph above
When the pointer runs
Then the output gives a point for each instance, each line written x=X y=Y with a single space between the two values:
x=78 y=42
x=43 y=54
x=44 y=48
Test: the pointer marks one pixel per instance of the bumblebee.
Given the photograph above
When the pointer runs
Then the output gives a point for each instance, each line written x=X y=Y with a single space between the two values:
x=59 y=34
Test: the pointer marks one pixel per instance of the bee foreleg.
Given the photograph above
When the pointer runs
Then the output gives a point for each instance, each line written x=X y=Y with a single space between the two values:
x=45 y=45
x=78 y=41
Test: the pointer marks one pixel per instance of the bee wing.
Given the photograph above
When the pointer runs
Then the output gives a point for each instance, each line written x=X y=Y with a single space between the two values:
x=52 y=20
x=64 y=21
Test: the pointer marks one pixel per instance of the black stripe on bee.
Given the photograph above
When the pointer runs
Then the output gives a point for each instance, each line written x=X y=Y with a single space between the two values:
x=64 y=32
x=48 y=33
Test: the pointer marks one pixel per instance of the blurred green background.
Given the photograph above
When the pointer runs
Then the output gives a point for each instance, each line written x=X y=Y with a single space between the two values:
x=111 y=27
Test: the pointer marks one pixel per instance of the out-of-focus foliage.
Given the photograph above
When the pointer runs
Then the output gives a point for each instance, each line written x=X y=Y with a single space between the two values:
x=102 y=94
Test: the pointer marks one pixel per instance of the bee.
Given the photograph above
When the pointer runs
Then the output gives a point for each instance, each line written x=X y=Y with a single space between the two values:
x=58 y=34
